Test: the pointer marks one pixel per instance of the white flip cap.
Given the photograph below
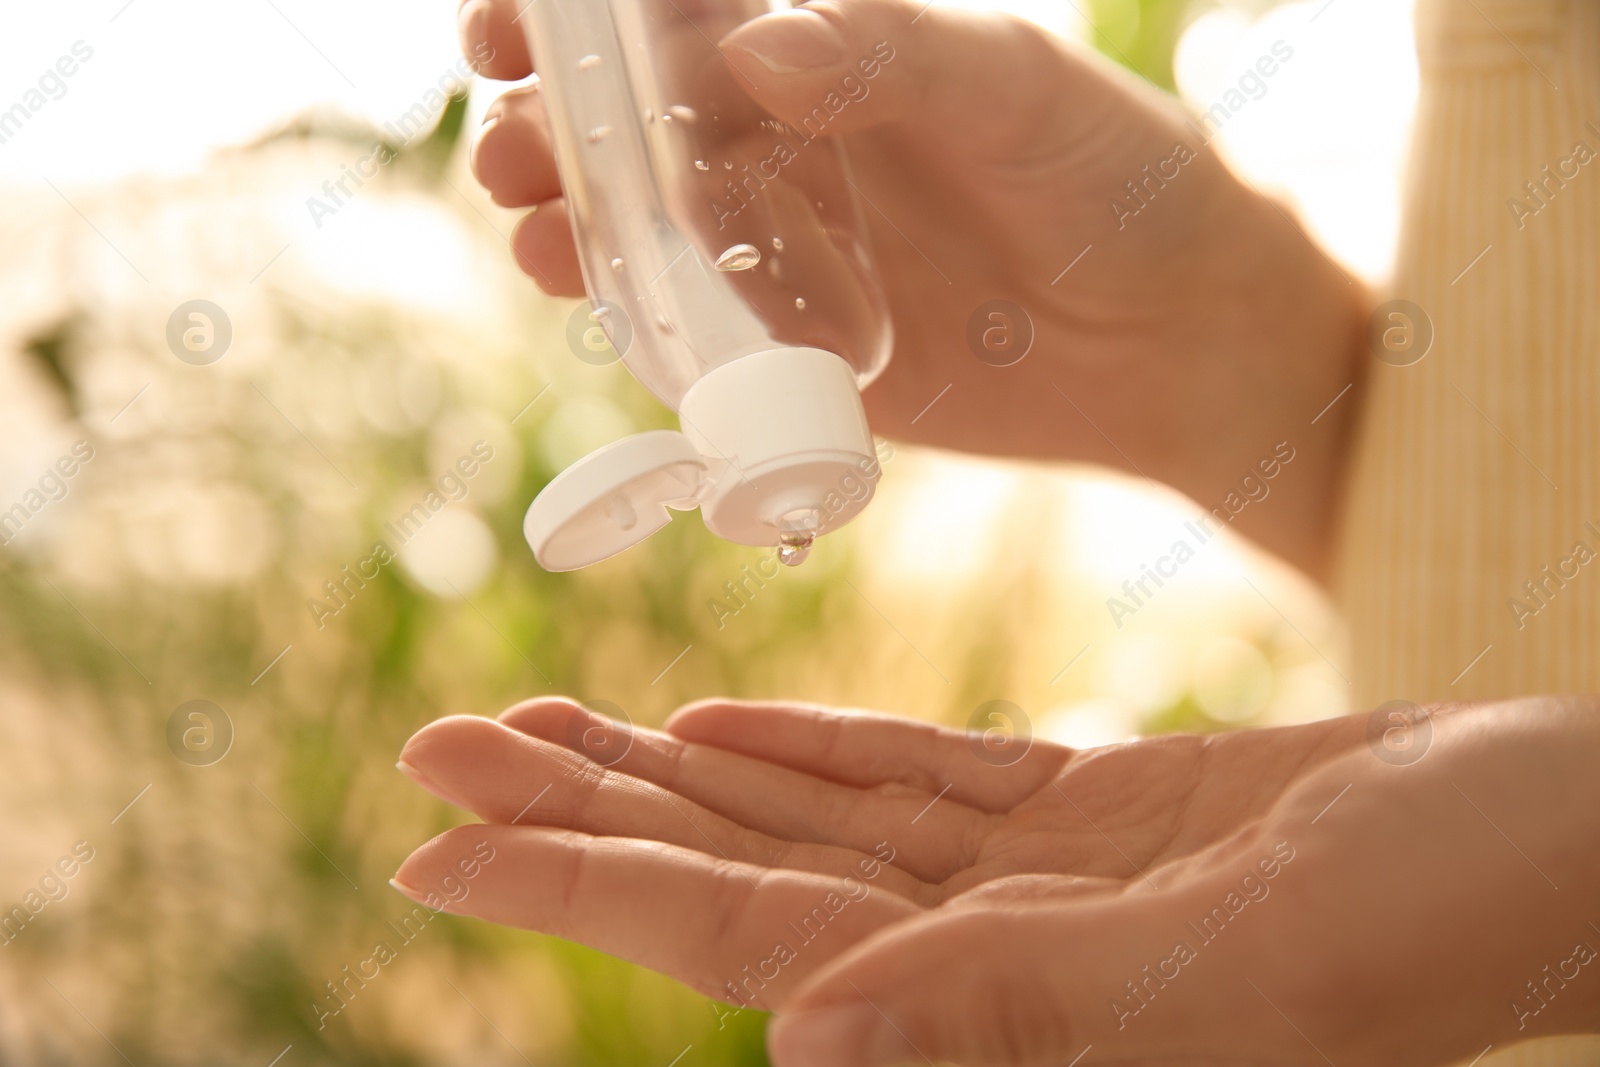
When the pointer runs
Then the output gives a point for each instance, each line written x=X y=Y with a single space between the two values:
x=773 y=443
x=612 y=499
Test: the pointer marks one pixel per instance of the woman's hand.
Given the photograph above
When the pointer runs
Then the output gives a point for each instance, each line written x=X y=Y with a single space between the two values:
x=1187 y=339
x=1280 y=895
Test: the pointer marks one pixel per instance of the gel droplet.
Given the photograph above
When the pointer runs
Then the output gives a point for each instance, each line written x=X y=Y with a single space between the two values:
x=598 y=134
x=800 y=303
x=739 y=257
x=681 y=113
x=796 y=531
x=727 y=164
x=663 y=324
x=701 y=164
x=777 y=244
x=649 y=115
x=617 y=264
x=589 y=62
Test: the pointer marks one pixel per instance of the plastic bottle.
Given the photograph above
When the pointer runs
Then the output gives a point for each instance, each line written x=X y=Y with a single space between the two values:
x=726 y=257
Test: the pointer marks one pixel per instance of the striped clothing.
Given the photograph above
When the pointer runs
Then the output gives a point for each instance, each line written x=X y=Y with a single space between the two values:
x=1470 y=552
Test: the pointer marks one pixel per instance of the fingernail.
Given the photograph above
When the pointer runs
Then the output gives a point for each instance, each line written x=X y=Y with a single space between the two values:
x=415 y=894
x=427 y=783
x=789 y=42
x=829 y=1037
x=472 y=23
x=415 y=775
x=490 y=122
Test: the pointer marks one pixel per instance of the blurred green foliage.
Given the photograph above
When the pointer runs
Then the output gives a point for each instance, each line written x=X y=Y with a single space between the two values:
x=1141 y=34
x=222 y=902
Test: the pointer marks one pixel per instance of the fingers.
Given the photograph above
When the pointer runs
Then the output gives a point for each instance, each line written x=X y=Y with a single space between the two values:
x=732 y=931
x=838 y=66
x=542 y=244
x=871 y=751
x=931 y=839
x=492 y=38
x=512 y=157
x=508 y=777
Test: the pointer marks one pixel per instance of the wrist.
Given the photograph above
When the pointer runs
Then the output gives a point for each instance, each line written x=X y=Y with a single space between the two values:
x=1284 y=332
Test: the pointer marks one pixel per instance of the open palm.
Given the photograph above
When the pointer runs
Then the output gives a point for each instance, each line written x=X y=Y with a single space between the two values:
x=896 y=895
x=696 y=850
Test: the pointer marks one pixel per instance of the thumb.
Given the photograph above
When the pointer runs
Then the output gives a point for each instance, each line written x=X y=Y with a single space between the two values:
x=836 y=66
x=1032 y=985
x=963 y=986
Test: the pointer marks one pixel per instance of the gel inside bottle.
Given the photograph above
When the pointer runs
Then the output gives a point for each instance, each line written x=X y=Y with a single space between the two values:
x=726 y=257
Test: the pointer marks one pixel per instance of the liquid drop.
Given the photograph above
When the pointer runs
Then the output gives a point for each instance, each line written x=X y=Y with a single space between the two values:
x=663 y=324
x=589 y=62
x=727 y=164
x=777 y=244
x=800 y=303
x=617 y=264
x=796 y=531
x=739 y=257
x=681 y=113
x=701 y=164
x=598 y=134
x=649 y=115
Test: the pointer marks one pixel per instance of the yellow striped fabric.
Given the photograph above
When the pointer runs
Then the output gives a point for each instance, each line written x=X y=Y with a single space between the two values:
x=1469 y=563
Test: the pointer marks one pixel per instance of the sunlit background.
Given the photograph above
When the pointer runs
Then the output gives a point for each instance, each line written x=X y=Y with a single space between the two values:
x=369 y=354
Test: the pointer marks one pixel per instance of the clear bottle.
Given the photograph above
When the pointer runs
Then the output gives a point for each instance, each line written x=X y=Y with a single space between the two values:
x=726 y=257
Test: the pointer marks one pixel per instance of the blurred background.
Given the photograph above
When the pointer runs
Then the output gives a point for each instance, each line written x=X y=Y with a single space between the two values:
x=240 y=846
